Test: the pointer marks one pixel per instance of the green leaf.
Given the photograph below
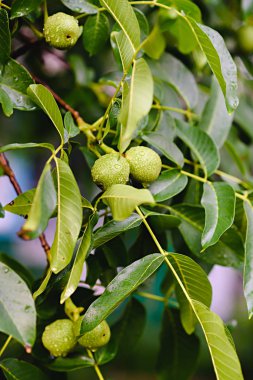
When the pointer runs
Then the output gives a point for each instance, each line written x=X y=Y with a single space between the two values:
x=45 y=100
x=133 y=320
x=225 y=361
x=77 y=268
x=165 y=146
x=155 y=43
x=95 y=33
x=123 y=14
x=71 y=130
x=218 y=199
x=168 y=184
x=122 y=199
x=69 y=218
x=247 y=273
x=189 y=8
x=43 y=285
x=196 y=284
x=219 y=60
x=125 y=49
x=215 y=120
x=17 y=267
x=21 y=205
x=6 y=103
x=15 y=146
x=5 y=37
x=119 y=289
x=21 y=8
x=15 y=369
x=174 y=72
x=112 y=229
x=201 y=145
x=138 y=101
x=1 y=211
x=14 y=80
x=80 y=6
x=43 y=205
x=244 y=115
x=228 y=251
x=162 y=138
x=179 y=351
x=71 y=363
x=17 y=309
x=224 y=358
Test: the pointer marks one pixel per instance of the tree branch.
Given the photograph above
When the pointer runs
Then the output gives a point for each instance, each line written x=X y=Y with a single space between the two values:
x=4 y=163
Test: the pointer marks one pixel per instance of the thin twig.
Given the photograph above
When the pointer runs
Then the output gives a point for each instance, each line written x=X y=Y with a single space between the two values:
x=4 y=163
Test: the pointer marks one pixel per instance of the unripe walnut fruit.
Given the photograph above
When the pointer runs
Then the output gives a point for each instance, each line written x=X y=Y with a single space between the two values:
x=59 y=337
x=96 y=338
x=109 y=170
x=61 y=30
x=245 y=38
x=145 y=164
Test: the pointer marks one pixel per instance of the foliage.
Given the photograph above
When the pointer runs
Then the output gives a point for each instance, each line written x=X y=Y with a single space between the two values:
x=172 y=87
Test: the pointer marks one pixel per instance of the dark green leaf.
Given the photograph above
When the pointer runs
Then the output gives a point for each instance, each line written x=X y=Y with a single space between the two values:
x=1 y=211
x=14 y=81
x=70 y=127
x=112 y=229
x=219 y=202
x=17 y=309
x=95 y=33
x=45 y=100
x=80 y=6
x=69 y=220
x=201 y=145
x=119 y=289
x=43 y=205
x=228 y=251
x=133 y=320
x=168 y=184
x=247 y=275
x=179 y=351
x=21 y=8
x=71 y=363
x=5 y=37
x=15 y=369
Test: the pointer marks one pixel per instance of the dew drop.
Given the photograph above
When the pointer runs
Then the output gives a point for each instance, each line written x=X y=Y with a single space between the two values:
x=6 y=270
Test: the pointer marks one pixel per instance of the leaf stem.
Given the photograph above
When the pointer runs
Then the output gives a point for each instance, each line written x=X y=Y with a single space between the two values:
x=45 y=11
x=187 y=112
x=5 y=6
x=96 y=367
x=5 y=345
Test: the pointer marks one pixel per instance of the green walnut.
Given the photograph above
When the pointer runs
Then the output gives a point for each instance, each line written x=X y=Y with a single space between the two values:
x=245 y=38
x=61 y=30
x=145 y=164
x=96 y=338
x=59 y=337
x=109 y=170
